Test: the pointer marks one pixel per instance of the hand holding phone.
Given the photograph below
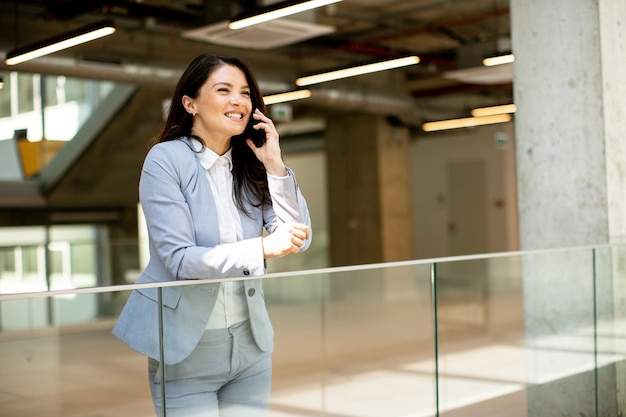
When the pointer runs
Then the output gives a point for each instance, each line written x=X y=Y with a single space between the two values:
x=257 y=135
x=266 y=151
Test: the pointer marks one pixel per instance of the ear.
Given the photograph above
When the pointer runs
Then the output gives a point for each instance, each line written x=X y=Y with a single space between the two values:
x=190 y=105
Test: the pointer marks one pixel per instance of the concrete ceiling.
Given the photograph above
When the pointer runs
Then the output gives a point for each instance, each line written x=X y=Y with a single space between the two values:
x=150 y=47
x=150 y=50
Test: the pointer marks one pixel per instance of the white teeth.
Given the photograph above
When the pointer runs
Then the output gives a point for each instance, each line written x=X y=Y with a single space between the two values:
x=234 y=115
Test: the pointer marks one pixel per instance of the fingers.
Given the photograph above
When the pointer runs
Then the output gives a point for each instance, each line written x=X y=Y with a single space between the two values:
x=287 y=238
x=297 y=241
x=300 y=232
x=258 y=115
x=265 y=123
x=302 y=228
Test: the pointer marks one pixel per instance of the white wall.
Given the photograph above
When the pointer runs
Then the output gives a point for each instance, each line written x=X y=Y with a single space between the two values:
x=432 y=154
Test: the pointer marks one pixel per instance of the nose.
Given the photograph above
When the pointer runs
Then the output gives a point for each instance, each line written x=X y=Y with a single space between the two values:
x=236 y=98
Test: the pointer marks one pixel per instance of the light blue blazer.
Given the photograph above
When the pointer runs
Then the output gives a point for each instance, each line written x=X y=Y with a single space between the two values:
x=184 y=243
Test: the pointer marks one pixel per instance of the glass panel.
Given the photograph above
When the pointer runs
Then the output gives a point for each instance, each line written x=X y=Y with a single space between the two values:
x=124 y=262
x=5 y=97
x=69 y=370
x=378 y=343
x=73 y=257
x=69 y=102
x=559 y=307
x=74 y=89
x=204 y=351
x=519 y=335
x=78 y=256
x=30 y=260
x=481 y=347
x=22 y=269
x=25 y=92
x=610 y=291
x=363 y=346
x=7 y=261
x=296 y=306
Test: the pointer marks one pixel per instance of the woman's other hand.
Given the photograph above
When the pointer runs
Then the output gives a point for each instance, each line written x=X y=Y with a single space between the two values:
x=287 y=238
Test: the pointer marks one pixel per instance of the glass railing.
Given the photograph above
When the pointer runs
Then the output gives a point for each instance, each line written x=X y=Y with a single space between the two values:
x=511 y=334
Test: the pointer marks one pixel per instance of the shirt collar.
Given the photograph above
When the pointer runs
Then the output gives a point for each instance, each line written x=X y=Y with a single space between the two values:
x=208 y=158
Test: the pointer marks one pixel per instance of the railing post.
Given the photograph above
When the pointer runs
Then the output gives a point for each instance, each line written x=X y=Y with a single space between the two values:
x=433 y=286
x=595 y=330
x=161 y=350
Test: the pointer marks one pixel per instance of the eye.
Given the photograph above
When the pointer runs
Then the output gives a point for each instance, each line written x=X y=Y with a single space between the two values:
x=246 y=93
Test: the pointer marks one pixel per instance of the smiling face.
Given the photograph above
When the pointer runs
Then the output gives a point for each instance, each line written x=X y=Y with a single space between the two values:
x=222 y=108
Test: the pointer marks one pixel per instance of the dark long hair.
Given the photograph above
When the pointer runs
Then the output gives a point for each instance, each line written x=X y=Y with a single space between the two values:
x=249 y=175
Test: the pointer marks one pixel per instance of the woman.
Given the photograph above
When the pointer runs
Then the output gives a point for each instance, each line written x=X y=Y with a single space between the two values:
x=207 y=192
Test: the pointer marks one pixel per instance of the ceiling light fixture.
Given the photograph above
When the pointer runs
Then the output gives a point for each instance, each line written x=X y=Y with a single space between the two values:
x=490 y=111
x=498 y=60
x=57 y=43
x=277 y=10
x=288 y=96
x=358 y=70
x=465 y=122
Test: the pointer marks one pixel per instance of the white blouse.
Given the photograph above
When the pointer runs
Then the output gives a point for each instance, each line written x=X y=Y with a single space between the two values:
x=231 y=306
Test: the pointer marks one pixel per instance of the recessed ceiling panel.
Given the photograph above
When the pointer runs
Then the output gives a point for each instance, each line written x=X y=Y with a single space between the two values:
x=272 y=34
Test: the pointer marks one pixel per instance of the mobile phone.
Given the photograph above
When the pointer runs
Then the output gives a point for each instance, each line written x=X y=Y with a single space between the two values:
x=257 y=135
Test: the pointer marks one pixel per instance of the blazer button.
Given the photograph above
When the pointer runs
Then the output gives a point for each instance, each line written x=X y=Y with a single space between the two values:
x=251 y=292
x=246 y=272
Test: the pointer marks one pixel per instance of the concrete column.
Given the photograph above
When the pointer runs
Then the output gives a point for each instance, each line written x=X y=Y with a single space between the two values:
x=369 y=190
x=394 y=192
x=395 y=206
x=613 y=35
x=570 y=95
x=369 y=193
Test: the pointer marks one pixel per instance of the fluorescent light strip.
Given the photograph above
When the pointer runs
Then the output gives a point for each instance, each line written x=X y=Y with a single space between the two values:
x=498 y=60
x=289 y=96
x=490 y=111
x=282 y=12
x=28 y=53
x=359 y=70
x=466 y=122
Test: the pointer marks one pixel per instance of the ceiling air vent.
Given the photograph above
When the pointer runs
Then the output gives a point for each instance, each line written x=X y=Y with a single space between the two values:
x=272 y=34
x=499 y=74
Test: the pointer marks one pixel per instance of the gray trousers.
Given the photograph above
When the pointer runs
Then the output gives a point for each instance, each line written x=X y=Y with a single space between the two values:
x=226 y=375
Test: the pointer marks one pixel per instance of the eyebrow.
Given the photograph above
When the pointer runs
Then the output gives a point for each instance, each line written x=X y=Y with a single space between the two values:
x=228 y=84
